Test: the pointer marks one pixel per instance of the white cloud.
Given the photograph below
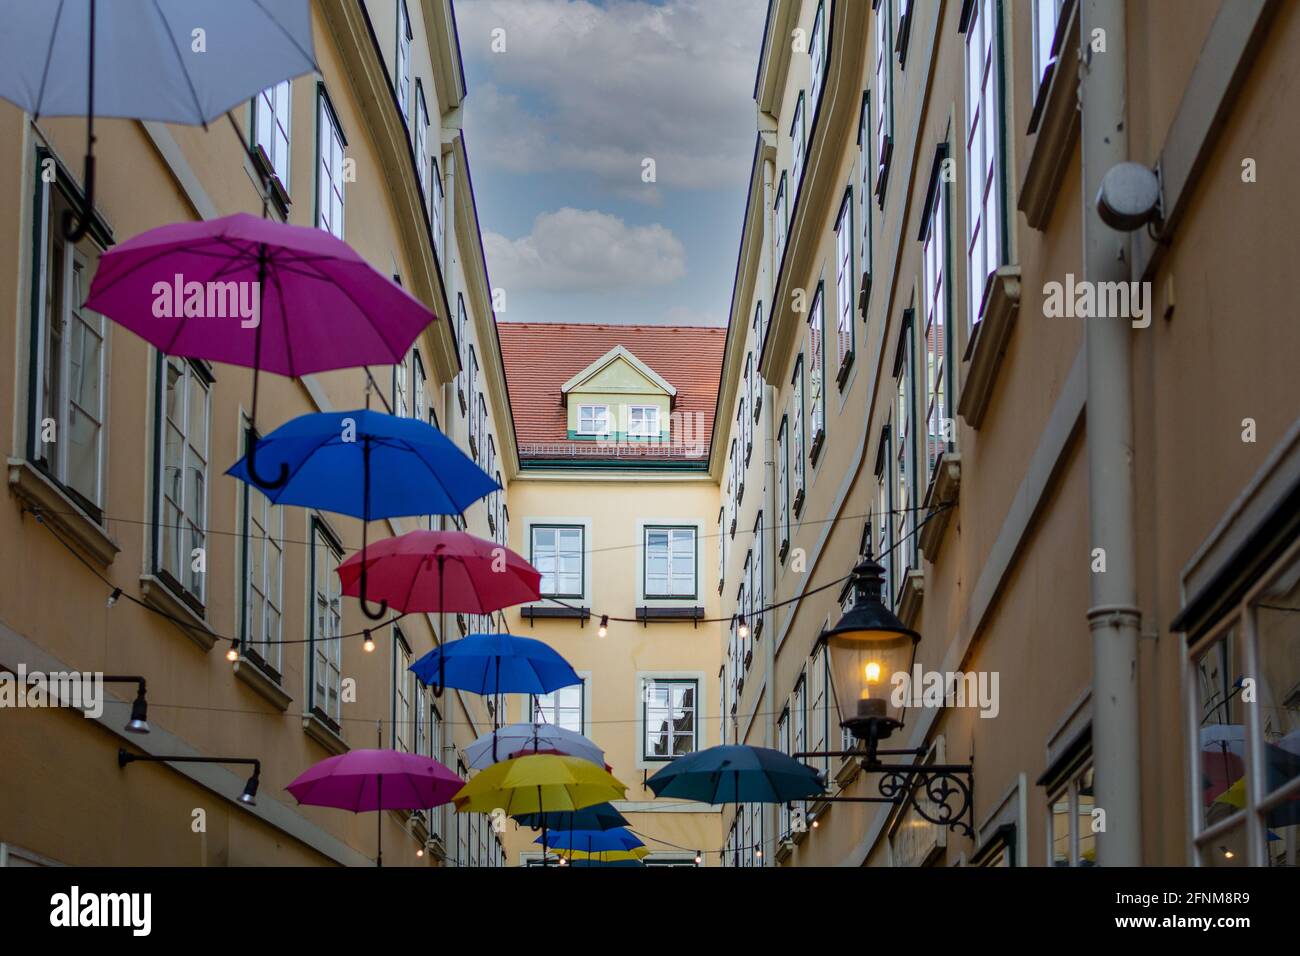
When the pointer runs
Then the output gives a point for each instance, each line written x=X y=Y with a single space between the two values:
x=576 y=250
x=598 y=89
x=685 y=315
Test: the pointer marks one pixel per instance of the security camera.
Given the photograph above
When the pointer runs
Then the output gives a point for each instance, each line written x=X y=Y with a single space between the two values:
x=1129 y=196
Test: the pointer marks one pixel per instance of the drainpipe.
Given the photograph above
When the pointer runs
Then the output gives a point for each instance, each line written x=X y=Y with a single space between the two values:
x=1114 y=617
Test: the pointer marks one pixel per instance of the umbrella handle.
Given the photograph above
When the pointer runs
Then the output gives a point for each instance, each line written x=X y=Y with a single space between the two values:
x=437 y=688
x=266 y=484
x=78 y=232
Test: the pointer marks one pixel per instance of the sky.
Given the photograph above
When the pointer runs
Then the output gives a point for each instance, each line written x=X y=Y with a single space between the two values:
x=559 y=121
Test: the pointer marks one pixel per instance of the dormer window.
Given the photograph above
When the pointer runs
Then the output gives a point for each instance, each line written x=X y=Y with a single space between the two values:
x=642 y=421
x=593 y=420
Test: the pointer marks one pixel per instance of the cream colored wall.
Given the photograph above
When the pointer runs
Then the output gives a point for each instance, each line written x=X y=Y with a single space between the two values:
x=617 y=509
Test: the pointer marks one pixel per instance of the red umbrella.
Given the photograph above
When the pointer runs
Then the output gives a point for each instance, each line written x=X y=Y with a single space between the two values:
x=442 y=571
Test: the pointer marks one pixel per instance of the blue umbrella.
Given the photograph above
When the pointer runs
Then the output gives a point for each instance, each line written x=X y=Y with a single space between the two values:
x=369 y=465
x=593 y=841
x=625 y=863
x=491 y=664
x=602 y=816
x=736 y=773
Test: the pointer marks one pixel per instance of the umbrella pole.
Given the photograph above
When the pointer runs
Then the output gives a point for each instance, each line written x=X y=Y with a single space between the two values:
x=495 y=723
x=75 y=233
x=442 y=638
x=251 y=440
x=539 y=810
x=379 y=824
x=365 y=527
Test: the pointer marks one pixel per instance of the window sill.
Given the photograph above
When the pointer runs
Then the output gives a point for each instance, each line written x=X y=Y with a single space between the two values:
x=749 y=451
x=782 y=551
x=749 y=657
x=252 y=674
x=740 y=496
x=156 y=593
x=846 y=365
x=815 y=452
x=784 y=850
x=532 y=613
x=1055 y=127
x=460 y=394
x=661 y=615
x=758 y=407
x=945 y=486
x=989 y=343
x=279 y=196
x=864 y=295
x=42 y=495
x=882 y=170
x=798 y=503
x=909 y=599
x=435 y=848
x=848 y=771
x=758 y=627
x=318 y=729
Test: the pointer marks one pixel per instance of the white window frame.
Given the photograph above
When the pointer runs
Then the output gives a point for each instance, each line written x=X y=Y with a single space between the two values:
x=903 y=464
x=330 y=146
x=783 y=479
x=325 y=624
x=560 y=549
x=176 y=501
x=649 y=686
x=817 y=367
x=781 y=213
x=884 y=87
x=817 y=55
x=984 y=159
x=273 y=128
x=844 y=284
x=261 y=530
x=676 y=580
x=1046 y=19
x=422 y=168
x=649 y=425
x=552 y=708
x=597 y=411
x=798 y=144
x=404 y=734
x=936 y=331
x=402 y=69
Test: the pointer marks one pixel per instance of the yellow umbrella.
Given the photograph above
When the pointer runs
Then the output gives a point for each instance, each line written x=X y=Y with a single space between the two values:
x=1234 y=796
x=604 y=856
x=538 y=783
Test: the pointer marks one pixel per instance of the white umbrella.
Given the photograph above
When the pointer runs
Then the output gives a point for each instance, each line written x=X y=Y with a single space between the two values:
x=182 y=61
x=530 y=738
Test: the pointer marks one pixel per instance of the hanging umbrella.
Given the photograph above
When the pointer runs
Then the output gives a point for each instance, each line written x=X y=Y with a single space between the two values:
x=133 y=60
x=376 y=780
x=526 y=738
x=491 y=664
x=541 y=783
x=369 y=465
x=619 y=863
x=737 y=773
x=257 y=293
x=602 y=816
x=587 y=843
x=443 y=571
x=602 y=856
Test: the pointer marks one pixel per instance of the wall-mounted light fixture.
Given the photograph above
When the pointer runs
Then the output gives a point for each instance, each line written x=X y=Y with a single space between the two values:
x=248 y=797
x=139 y=722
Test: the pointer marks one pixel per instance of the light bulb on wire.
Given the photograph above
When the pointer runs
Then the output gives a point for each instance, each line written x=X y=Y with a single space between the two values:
x=603 y=630
x=368 y=645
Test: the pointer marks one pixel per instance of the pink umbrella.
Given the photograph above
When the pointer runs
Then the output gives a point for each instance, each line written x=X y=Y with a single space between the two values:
x=442 y=571
x=258 y=293
x=376 y=780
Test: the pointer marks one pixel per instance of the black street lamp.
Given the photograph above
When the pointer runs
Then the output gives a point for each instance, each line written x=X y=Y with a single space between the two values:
x=865 y=649
x=248 y=797
x=139 y=722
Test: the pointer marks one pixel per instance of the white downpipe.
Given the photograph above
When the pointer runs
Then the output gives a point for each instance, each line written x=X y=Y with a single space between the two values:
x=1114 y=617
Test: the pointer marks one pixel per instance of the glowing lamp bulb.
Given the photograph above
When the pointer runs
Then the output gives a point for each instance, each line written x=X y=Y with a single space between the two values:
x=604 y=626
x=368 y=645
x=232 y=655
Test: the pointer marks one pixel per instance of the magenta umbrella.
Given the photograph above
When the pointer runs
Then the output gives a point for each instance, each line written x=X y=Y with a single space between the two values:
x=376 y=779
x=257 y=293
x=442 y=571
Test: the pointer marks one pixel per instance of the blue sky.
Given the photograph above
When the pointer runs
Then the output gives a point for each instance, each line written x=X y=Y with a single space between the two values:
x=558 y=126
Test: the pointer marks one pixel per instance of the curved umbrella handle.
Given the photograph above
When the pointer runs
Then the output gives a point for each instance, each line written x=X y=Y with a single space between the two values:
x=365 y=601
x=437 y=688
x=250 y=460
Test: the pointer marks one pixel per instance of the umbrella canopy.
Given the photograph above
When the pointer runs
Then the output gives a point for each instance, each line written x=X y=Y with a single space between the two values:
x=376 y=780
x=597 y=862
x=523 y=739
x=146 y=66
x=602 y=816
x=541 y=783
x=594 y=841
x=737 y=774
x=319 y=305
x=443 y=571
x=369 y=465
x=604 y=856
x=496 y=664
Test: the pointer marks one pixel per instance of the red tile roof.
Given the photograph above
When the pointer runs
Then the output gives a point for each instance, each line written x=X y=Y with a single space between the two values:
x=540 y=357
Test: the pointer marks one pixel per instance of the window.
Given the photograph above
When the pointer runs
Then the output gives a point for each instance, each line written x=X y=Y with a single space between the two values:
x=420 y=383
x=643 y=421
x=817 y=370
x=844 y=286
x=329 y=166
x=743 y=603
x=722 y=549
x=724 y=697
x=758 y=598
x=68 y=384
x=742 y=420
x=261 y=576
x=436 y=219
x=733 y=488
x=1070 y=838
x=183 y=485
x=884 y=88
x=983 y=154
x=473 y=401
x=1047 y=16
x=461 y=325
x=784 y=822
x=1246 y=748
x=593 y=420
x=669 y=718
x=403 y=695
x=557 y=552
x=864 y=191
x=783 y=486
x=670 y=556
x=819 y=708
x=402 y=72
x=760 y=333
x=324 y=683
x=751 y=390
x=401 y=394
x=935 y=309
x=796 y=437
x=480 y=447
x=422 y=139
x=817 y=55
x=799 y=717
x=271 y=126
x=781 y=212
x=883 y=517
x=798 y=146
x=562 y=708
x=904 y=449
